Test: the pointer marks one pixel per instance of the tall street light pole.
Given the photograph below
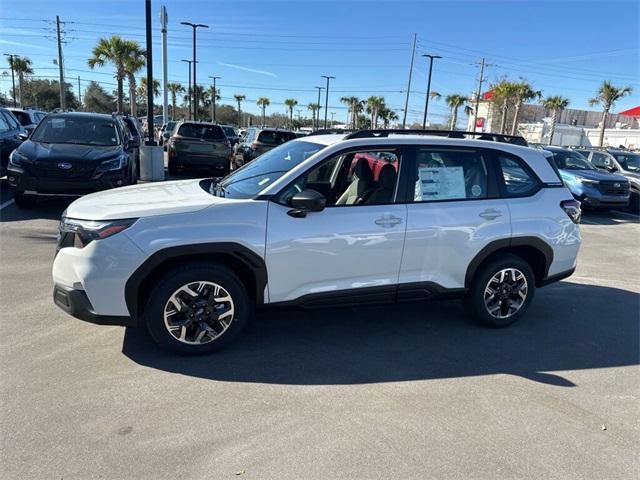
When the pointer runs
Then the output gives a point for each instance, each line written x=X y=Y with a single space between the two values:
x=213 y=98
x=326 y=100
x=150 y=125
x=426 y=102
x=195 y=26
x=13 y=78
x=189 y=91
x=316 y=120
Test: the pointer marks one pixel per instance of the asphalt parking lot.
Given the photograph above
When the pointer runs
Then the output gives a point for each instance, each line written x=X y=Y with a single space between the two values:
x=415 y=391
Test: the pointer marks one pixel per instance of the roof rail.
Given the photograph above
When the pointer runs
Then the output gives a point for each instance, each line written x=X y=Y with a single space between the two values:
x=495 y=137
x=333 y=131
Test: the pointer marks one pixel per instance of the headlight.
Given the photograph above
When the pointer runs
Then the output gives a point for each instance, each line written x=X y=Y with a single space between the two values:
x=87 y=231
x=17 y=158
x=587 y=181
x=110 y=165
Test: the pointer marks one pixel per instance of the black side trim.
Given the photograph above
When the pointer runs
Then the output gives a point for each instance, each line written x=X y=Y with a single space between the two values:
x=418 y=291
x=77 y=304
x=496 y=245
x=241 y=253
x=557 y=277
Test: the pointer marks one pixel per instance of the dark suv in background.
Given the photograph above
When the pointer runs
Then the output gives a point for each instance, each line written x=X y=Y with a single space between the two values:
x=199 y=144
x=73 y=154
x=12 y=134
x=28 y=118
x=257 y=141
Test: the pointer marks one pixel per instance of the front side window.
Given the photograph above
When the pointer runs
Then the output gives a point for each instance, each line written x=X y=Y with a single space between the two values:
x=449 y=174
x=269 y=137
x=78 y=130
x=11 y=120
x=356 y=178
x=257 y=175
x=23 y=118
x=517 y=179
x=4 y=126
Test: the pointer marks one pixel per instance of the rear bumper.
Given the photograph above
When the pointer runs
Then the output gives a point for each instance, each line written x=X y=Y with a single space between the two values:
x=557 y=277
x=76 y=303
x=20 y=181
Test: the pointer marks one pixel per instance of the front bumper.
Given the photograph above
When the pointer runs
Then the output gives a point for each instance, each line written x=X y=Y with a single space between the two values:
x=20 y=180
x=605 y=201
x=76 y=303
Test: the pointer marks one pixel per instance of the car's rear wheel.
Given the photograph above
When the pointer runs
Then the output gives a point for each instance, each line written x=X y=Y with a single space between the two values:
x=197 y=309
x=23 y=201
x=502 y=291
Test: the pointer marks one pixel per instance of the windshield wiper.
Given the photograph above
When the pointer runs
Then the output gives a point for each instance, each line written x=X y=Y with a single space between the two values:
x=253 y=176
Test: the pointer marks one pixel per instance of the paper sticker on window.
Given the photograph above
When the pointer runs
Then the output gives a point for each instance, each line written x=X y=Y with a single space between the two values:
x=57 y=123
x=442 y=183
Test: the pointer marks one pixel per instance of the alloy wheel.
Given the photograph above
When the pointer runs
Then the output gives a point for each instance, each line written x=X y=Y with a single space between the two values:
x=198 y=312
x=506 y=293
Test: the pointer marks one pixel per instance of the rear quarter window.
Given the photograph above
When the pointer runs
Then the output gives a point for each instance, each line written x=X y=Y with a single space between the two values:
x=518 y=180
x=275 y=138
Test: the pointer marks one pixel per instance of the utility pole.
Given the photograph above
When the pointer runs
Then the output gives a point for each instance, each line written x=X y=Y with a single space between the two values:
x=164 y=20
x=149 y=46
x=13 y=79
x=333 y=114
x=406 y=100
x=189 y=91
x=326 y=100
x=426 y=102
x=79 y=93
x=195 y=26
x=299 y=113
x=213 y=99
x=478 y=92
x=316 y=119
x=63 y=103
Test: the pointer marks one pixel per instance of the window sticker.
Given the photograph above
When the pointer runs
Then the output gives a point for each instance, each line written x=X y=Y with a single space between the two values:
x=442 y=183
x=57 y=123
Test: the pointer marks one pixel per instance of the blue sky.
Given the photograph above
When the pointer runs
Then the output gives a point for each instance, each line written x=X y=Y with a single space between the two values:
x=281 y=49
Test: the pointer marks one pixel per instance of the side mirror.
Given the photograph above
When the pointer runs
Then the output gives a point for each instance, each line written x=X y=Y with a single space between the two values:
x=305 y=202
x=132 y=143
x=23 y=136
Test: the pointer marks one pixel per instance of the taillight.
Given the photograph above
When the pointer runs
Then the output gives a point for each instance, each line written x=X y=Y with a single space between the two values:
x=572 y=209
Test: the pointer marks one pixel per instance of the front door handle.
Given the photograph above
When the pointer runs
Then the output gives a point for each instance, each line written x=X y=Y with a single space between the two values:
x=388 y=222
x=490 y=214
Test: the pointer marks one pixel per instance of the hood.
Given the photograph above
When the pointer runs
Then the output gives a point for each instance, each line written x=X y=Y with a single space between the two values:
x=599 y=175
x=146 y=200
x=60 y=151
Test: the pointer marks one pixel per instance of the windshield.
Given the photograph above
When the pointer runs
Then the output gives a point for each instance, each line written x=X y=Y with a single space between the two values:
x=628 y=161
x=204 y=132
x=571 y=161
x=255 y=176
x=270 y=137
x=77 y=130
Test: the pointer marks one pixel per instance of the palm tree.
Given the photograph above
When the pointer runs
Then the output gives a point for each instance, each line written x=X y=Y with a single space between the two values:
x=115 y=50
x=133 y=63
x=314 y=107
x=387 y=115
x=455 y=101
x=555 y=104
x=355 y=107
x=374 y=104
x=21 y=66
x=291 y=104
x=214 y=94
x=174 y=89
x=608 y=94
x=523 y=92
x=503 y=92
x=142 y=89
x=263 y=102
x=239 y=99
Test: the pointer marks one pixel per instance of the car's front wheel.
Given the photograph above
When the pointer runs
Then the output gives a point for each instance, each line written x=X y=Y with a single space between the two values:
x=197 y=309
x=502 y=291
x=23 y=201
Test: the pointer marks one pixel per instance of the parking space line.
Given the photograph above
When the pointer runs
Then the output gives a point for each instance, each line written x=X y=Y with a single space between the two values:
x=6 y=204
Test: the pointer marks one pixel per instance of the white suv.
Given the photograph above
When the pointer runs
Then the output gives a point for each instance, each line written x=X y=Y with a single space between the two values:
x=322 y=220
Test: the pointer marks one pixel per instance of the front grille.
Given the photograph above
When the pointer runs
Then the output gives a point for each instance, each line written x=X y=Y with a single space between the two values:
x=614 y=188
x=78 y=171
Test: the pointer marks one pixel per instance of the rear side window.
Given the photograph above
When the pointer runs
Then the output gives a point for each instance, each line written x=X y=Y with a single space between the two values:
x=275 y=138
x=229 y=131
x=518 y=180
x=23 y=118
x=203 y=132
x=450 y=174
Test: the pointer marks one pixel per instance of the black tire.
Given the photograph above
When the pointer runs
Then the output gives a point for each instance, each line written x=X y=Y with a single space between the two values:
x=191 y=273
x=173 y=168
x=23 y=201
x=476 y=301
x=634 y=202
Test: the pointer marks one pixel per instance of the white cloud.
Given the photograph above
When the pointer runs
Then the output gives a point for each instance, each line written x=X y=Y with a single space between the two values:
x=247 y=69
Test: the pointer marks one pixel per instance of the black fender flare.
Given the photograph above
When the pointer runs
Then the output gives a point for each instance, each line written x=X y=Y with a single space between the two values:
x=506 y=243
x=248 y=258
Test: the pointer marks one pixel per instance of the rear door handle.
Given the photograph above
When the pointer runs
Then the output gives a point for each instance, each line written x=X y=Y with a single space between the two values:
x=388 y=222
x=490 y=214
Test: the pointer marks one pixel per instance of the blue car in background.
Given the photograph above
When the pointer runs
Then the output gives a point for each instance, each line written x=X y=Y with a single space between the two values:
x=594 y=188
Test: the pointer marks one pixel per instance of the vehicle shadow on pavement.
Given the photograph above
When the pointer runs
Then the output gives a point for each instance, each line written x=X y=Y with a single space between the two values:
x=594 y=217
x=46 y=208
x=570 y=327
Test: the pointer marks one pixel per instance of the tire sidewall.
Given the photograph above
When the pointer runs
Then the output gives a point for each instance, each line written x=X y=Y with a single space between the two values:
x=480 y=282
x=174 y=279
